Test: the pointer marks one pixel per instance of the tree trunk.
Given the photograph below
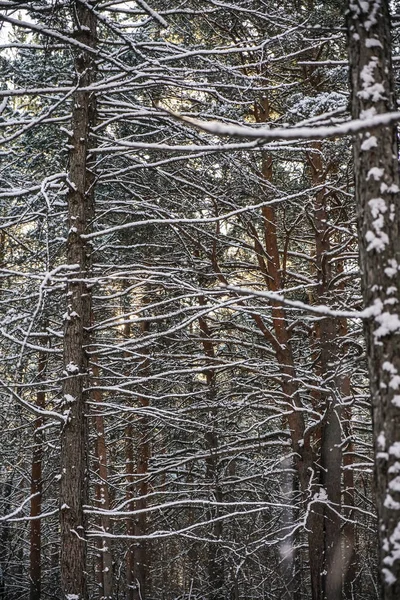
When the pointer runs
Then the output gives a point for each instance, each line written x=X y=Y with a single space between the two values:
x=137 y=568
x=104 y=566
x=5 y=538
x=35 y=567
x=130 y=524
x=130 y=493
x=376 y=172
x=349 y=550
x=326 y=330
x=141 y=569
x=350 y=557
x=304 y=458
x=215 y=566
x=74 y=438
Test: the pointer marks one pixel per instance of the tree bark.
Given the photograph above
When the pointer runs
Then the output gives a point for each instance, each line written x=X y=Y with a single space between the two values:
x=74 y=438
x=104 y=565
x=349 y=550
x=326 y=334
x=35 y=566
x=350 y=557
x=130 y=493
x=376 y=172
x=304 y=456
x=141 y=567
x=5 y=538
x=215 y=567
x=137 y=557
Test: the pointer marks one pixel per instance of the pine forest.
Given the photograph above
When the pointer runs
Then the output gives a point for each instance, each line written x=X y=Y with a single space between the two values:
x=199 y=300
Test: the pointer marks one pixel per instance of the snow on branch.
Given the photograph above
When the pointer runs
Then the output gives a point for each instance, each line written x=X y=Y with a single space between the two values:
x=293 y=133
x=52 y=33
x=199 y=220
x=38 y=412
x=152 y=13
x=18 y=510
x=318 y=309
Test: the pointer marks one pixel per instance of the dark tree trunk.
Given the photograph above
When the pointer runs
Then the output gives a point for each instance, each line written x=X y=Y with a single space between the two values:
x=378 y=203
x=35 y=567
x=5 y=539
x=104 y=567
x=141 y=567
x=350 y=557
x=326 y=364
x=349 y=550
x=130 y=523
x=215 y=568
x=74 y=439
x=130 y=493
x=137 y=556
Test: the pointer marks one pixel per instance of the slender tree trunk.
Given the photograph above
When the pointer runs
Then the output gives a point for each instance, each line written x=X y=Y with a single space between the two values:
x=349 y=550
x=141 y=569
x=104 y=566
x=130 y=524
x=35 y=567
x=137 y=557
x=130 y=493
x=304 y=458
x=216 y=577
x=74 y=438
x=376 y=170
x=331 y=453
x=349 y=533
x=141 y=558
x=5 y=538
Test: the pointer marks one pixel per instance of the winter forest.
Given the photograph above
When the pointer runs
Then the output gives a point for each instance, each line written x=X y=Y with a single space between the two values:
x=199 y=285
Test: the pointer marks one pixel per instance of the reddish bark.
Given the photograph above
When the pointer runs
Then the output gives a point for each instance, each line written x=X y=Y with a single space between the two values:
x=130 y=493
x=35 y=567
x=304 y=460
x=137 y=554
